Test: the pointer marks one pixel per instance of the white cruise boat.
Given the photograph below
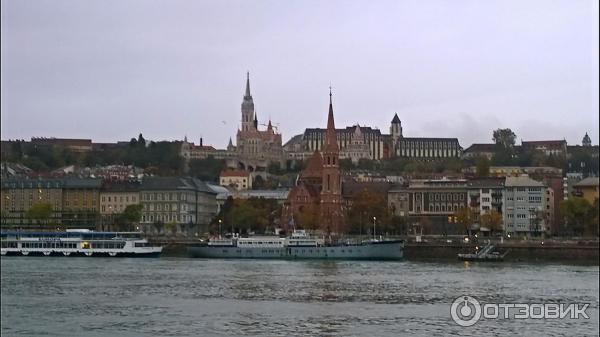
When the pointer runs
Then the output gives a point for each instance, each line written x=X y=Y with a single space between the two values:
x=76 y=242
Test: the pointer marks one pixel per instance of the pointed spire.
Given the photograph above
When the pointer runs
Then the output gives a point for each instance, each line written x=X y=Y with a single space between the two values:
x=247 y=85
x=331 y=144
x=255 y=120
x=396 y=120
x=330 y=123
x=269 y=127
x=230 y=143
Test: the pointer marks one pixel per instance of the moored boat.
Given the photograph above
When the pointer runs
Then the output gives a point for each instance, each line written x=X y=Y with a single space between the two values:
x=487 y=253
x=76 y=242
x=299 y=246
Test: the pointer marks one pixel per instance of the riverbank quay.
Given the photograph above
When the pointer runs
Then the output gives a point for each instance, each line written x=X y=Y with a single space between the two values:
x=577 y=251
x=530 y=251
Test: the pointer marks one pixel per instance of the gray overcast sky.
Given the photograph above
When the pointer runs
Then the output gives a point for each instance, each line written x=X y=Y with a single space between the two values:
x=110 y=69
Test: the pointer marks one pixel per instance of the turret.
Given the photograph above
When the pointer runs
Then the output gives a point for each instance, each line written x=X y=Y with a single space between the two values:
x=587 y=141
x=396 y=127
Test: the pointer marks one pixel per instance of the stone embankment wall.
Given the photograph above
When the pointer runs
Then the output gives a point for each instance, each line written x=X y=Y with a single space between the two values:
x=518 y=251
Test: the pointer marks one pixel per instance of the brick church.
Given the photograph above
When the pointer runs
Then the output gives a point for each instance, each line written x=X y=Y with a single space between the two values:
x=316 y=202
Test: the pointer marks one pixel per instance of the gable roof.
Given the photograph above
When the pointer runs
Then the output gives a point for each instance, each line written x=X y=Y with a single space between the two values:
x=590 y=181
x=314 y=167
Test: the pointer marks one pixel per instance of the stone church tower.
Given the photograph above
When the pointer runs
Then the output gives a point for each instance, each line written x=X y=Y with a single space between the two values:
x=248 y=108
x=331 y=212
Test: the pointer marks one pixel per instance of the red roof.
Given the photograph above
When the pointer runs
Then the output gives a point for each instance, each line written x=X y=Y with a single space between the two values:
x=314 y=167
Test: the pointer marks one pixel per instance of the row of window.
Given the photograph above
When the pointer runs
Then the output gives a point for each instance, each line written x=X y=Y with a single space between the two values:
x=71 y=245
x=167 y=217
x=107 y=245
x=164 y=196
x=164 y=207
x=443 y=208
x=449 y=196
x=524 y=189
x=120 y=198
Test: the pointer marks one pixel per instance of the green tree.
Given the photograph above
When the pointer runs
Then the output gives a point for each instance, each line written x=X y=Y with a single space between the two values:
x=483 y=166
x=580 y=215
x=207 y=169
x=504 y=153
x=504 y=137
x=346 y=164
x=171 y=227
x=40 y=212
x=131 y=215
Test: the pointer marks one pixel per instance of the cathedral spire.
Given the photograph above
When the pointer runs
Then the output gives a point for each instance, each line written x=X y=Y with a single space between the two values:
x=247 y=85
x=330 y=136
x=255 y=120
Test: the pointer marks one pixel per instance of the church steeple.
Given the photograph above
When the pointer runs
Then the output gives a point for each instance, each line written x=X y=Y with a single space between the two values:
x=331 y=214
x=255 y=120
x=331 y=144
x=247 y=108
x=247 y=94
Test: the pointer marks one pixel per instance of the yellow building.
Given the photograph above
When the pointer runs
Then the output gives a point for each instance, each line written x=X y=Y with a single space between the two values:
x=115 y=197
x=587 y=189
x=18 y=195
x=80 y=206
x=237 y=179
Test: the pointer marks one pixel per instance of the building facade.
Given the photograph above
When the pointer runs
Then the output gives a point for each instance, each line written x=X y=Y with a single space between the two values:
x=353 y=141
x=236 y=179
x=19 y=195
x=485 y=195
x=357 y=142
x=81 y=202
x=587 y=189
x=548 y=147
x=116 y=196
x=428 y=203
x=186 y=202
x=526 y=206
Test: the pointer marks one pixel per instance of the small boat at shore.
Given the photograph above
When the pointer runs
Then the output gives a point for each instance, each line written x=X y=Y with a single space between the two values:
x=76 y=242
x=487 y=253
x=299 y=246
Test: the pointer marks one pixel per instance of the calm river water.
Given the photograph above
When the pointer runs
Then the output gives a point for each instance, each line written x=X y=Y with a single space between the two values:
x=170 y=296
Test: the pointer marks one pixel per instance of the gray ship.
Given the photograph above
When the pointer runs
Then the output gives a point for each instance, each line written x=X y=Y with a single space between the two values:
x=298 y=246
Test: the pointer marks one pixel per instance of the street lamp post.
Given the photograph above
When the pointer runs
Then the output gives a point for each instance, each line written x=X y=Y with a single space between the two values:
x=374 y=219
x=220 y=221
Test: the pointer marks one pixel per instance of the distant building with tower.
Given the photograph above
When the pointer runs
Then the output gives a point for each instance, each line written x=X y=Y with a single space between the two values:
x=254 y=150
x=356 y=142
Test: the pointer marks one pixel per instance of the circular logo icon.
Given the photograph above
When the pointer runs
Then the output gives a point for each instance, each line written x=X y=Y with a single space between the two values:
x=465 y=310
